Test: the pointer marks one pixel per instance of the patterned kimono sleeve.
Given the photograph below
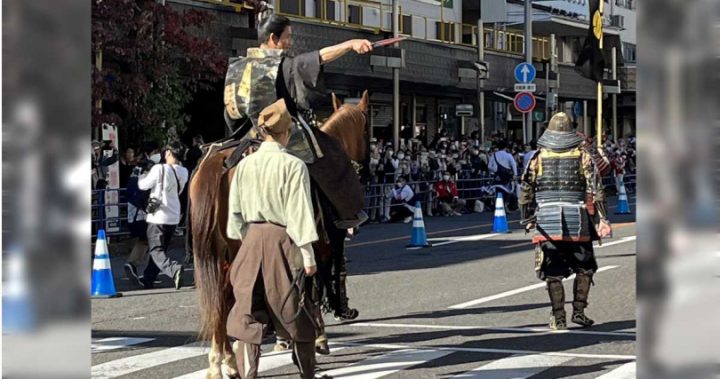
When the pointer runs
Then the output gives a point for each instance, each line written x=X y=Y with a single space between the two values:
x=528 y=182
x=595 y=188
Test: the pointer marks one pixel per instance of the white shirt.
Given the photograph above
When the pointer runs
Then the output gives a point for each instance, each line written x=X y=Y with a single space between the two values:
x=273 y=186
x=405 y=194
x=169 y=211
x=504 y=159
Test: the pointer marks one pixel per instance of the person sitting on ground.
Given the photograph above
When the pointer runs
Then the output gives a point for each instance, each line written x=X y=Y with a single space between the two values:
x=447 y=195
x=402 y=201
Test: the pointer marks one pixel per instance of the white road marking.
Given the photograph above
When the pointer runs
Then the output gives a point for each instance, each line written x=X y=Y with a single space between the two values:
x=135 y=363
x=493 y=328
x=386 y=364
x=623 y=240
x=106 y=344
x=497 y=351
x=268 y=361
x=456 y=239
x=626 y=371
x=515 y=291
x=516 y=367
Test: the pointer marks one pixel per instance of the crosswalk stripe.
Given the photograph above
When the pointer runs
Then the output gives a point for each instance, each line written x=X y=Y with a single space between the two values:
x=516 y=367
x=386 y=364
x=626 y=371
x=269 y=361
x=114 y=343
x=136 y=363
x=453 y=349
x=492 y=328
x=516 y=291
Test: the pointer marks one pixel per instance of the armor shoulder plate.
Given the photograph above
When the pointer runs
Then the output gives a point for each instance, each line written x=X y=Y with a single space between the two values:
x=250 y=83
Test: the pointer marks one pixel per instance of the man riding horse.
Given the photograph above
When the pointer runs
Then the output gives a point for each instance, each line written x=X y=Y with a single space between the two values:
x=265 y=75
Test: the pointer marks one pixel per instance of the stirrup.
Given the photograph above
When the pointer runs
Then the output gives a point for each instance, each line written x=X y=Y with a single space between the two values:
x=580 y=318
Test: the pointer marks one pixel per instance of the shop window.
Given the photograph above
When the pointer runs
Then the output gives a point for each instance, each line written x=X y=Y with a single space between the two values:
x=355 y=14
x=406 y=25
x=329 y=10
x=444 y=31
x=293 y=7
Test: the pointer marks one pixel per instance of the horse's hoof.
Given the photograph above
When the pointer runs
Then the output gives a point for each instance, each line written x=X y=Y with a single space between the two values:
x=214 y=373
x=230 y=371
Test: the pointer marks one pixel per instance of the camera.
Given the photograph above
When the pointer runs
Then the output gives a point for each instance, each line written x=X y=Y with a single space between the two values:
x=144 y=165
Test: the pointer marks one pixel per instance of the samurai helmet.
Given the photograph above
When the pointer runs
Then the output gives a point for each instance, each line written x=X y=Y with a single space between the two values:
x=559 y=135
x=560 y=122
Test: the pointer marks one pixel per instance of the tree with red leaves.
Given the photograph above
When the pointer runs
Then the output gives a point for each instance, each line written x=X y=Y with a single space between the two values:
x=153 y=60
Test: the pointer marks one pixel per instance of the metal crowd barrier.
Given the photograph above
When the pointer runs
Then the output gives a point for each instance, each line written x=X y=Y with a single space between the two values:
x=110 y=215
x=377 y=198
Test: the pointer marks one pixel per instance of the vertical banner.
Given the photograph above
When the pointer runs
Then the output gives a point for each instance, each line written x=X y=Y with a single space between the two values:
x=112 y=196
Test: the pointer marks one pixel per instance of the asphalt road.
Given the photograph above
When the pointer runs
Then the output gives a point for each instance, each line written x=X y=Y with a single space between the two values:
x=468 y=307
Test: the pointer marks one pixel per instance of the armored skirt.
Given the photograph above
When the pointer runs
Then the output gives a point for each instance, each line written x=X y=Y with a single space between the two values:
x=262 y=275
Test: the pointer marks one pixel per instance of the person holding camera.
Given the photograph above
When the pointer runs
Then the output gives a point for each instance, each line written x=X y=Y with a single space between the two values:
x=165 y=182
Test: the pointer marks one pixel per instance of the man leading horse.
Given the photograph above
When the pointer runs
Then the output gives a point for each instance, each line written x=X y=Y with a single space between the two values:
x=252 y=84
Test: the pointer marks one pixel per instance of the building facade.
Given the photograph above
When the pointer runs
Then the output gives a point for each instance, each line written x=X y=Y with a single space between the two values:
x=442 y=41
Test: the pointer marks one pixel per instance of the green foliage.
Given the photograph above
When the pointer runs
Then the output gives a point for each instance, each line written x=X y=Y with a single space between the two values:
x=153 y=60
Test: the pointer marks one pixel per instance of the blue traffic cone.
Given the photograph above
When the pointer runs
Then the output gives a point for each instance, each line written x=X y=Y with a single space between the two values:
x=623 y=207
x=17 y=310
x=500 y=224
x=418 y=238
x=103 y=285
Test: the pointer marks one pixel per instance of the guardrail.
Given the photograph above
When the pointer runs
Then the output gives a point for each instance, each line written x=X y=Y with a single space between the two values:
x=376 y=199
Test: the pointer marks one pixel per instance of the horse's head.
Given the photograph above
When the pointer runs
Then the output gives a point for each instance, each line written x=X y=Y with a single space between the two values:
x=348 y=124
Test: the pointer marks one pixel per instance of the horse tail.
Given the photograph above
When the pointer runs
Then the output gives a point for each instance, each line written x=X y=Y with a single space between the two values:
x=209 y=248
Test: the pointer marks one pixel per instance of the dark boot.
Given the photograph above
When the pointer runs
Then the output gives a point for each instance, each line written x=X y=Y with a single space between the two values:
x=557 y=302
x=343 y=312
x=581 y=289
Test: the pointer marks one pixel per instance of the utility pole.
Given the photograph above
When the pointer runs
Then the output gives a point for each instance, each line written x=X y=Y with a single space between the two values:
x=481 y=82
x=614 y=96
x=528 y=59
x=396 y=81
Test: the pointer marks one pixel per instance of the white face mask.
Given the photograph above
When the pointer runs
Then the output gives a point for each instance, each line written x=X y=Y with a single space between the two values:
x=401 y=156
x=446 y=178
x=155 y=158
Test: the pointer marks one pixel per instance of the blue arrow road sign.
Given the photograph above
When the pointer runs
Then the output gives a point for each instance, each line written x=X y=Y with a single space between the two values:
x=525 y=73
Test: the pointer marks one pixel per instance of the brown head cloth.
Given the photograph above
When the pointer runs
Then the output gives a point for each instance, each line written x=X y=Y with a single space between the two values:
x=275 y=118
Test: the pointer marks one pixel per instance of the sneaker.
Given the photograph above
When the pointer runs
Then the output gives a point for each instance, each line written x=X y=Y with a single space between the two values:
x=131 y=273
x=557 y=321
x=580 y=318
x=347 y=315
x=408 y=219
x=179 y=233
x=457 y=214
x=178 y=279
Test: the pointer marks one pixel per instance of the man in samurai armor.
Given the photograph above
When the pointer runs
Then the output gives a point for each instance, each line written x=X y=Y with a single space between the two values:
x=563 y=185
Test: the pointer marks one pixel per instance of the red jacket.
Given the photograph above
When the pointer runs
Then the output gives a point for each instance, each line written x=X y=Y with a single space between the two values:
x=446 y=189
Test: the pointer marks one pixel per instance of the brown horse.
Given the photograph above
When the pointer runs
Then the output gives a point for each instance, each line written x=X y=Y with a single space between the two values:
x=214 y=251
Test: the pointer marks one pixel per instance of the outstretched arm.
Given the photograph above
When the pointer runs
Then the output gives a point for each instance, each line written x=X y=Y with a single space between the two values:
x=331 y=53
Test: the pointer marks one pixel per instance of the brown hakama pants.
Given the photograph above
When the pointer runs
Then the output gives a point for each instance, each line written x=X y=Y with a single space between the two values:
x=261 y=275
